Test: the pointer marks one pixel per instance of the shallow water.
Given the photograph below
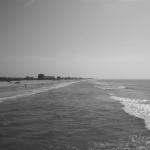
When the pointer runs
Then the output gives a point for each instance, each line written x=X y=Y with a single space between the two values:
x=80 y=116
x=27 y=88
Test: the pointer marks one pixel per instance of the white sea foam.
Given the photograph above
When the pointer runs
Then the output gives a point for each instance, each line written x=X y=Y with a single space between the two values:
x=109 y=87
x=121 y=87
x=111 y=94
x=103 y=88
x=101 y=83
x=137 y=107
x=39 y=90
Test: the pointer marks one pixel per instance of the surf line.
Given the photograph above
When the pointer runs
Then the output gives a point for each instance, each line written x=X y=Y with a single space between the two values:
x=139 y=108
x=39 y=90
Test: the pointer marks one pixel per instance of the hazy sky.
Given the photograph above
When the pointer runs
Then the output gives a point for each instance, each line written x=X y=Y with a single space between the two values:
x=88 y=38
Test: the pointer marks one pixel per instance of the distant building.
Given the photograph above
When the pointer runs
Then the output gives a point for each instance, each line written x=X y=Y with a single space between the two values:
x=59 y=78
x=29 y=78
x=50 y=77
x=41 y=76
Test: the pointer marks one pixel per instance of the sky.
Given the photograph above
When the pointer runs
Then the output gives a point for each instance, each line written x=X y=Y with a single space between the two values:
x=88 y=38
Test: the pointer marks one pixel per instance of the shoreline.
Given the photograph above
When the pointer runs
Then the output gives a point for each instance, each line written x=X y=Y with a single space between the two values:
x=28 y=89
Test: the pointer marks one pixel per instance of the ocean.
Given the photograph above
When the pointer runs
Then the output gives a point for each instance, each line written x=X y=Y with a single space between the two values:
x=75 y=115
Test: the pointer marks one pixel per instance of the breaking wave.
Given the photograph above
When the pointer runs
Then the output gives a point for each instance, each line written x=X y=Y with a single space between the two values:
x=103 y=88
x=139 y=108
x=107 y=86
x=110 y=87
x=133 y=142
x=122 y=87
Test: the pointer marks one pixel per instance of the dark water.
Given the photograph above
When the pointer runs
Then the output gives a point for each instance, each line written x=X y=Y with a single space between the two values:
x=77 y=117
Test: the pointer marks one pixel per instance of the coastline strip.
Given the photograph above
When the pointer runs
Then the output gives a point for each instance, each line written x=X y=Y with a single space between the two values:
x=39 y=90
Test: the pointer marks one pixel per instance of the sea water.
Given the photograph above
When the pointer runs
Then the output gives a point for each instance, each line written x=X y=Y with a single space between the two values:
x=84 y=115
x=27 y=88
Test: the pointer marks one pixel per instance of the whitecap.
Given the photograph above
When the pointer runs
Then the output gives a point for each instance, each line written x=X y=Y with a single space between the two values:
x=104 y=88
x=122 y=87
x=111 y=94
x=139 y=108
